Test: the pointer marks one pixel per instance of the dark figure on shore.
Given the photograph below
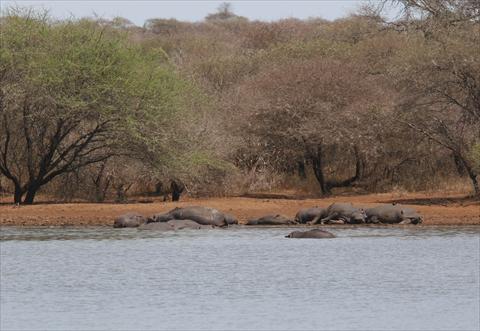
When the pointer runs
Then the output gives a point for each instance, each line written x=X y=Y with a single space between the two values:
x=176 y=189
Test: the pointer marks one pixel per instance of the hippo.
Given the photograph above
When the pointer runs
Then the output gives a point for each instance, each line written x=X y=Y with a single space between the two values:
x=173 y=225
x=313 y=234
x=188 y=224
x=157 y=226
x=306 y=215
x=345 y=212
x=230 y=219
x=201 y=215
x=129 y=220
x=165 y=217
x=393 y=214
x=271 y=220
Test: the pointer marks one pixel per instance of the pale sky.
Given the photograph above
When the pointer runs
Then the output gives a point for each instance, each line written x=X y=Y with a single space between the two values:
x=193 y=10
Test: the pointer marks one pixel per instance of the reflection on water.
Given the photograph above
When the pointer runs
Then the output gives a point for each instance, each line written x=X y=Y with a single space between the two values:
x=240 y=278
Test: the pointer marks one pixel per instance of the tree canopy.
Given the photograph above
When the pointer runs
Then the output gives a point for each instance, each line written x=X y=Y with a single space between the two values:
x=74 y=94
x=228 y=104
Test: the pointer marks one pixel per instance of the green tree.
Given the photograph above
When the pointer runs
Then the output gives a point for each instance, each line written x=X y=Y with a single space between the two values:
x=74 y=93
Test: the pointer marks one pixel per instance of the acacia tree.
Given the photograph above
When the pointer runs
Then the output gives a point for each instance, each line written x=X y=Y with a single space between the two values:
x=438 y=73
x=307 y=108
x=224 y=12
x=73 y=94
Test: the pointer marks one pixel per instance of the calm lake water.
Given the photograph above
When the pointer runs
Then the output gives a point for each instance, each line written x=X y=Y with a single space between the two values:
x=240 y=278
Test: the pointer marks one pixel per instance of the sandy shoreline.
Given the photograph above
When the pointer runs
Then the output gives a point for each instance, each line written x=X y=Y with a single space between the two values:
x=438 y=209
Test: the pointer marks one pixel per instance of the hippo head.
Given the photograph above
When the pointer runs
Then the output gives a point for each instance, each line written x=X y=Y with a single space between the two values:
x=118 y=223
x=412 y=216
x=230 y=219
x=359 y=216
x=292 y=235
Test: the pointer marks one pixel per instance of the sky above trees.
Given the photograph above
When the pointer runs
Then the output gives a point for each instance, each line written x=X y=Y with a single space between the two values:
x=139 y=11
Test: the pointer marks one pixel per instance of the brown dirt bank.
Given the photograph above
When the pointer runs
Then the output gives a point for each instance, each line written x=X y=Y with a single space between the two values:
x=437 y=209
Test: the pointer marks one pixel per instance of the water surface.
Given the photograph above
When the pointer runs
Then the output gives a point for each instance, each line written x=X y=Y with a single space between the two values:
x=97 y=278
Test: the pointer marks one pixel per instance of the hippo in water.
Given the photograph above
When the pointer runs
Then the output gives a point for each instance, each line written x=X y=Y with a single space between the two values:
x=313 y=234
x=158 y=226
x=271 y=220
x=306 y=215
x=343 y=213
x=173 y=225
x=129 y=220
x=393 y=214
x=201 y=215
x=188 y=224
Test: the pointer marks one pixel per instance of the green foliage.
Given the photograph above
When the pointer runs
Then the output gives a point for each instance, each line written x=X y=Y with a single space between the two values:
x=82 y=67
x=80 y=92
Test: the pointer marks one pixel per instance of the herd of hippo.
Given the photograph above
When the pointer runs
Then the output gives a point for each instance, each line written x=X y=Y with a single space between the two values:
x=196 y=217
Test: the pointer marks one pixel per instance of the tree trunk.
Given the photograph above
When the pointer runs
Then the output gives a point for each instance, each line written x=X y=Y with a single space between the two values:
x=101 y=183
x=473 y=177
x=17 y=196
x=31 y=191
x=459 y=165
x=301 y=170
x=101 y=190
x=121 y=194
x=99 y=194
x=359 y=166
x=158 y=188
x=317 y=166
x=475 y=185
x=472 y=174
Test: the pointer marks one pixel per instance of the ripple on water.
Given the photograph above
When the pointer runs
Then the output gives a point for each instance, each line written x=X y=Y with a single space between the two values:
x=240 y=278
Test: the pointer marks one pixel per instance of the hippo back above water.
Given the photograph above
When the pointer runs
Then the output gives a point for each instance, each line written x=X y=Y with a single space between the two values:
x=392 y=214
x=311 y=234
x=271 y=220
x=173 y=225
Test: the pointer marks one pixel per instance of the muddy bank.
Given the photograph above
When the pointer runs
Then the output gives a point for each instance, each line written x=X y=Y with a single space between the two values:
x=437 y=209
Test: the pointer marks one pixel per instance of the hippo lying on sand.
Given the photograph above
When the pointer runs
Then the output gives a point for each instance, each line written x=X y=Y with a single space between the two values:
x=271 y=220
x=306 y=215
x=173 y=225
x=201 y=215
x=314 y=234
x=393 y=214
x=130 y=220
x=230 y=219
x=343 y=213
